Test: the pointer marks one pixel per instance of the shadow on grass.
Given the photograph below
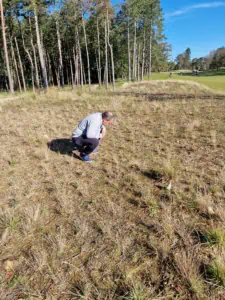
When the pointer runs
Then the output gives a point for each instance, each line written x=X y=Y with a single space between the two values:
x=136 y=203
x=62 y=146
x=153 y=174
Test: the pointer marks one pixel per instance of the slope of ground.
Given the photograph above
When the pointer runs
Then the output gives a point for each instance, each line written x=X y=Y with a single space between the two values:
x=168 y=87
x=214 y=80
x=114 y=229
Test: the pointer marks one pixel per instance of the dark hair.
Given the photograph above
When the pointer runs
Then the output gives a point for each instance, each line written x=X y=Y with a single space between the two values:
x=107 y=116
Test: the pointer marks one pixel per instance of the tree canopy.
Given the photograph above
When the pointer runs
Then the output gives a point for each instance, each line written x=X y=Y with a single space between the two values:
x=50 y=42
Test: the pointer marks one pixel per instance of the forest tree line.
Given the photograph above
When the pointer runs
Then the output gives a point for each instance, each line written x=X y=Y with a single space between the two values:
x=215 y=60
x=77 y=43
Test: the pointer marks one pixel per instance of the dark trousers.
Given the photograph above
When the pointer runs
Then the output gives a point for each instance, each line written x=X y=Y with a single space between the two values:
x=85 y=145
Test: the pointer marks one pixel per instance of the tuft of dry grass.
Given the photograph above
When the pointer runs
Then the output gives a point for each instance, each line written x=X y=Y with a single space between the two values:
x=188 y=266
x=112 y=229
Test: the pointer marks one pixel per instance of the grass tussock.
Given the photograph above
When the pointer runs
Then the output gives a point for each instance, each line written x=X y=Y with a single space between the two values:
x=144 y=221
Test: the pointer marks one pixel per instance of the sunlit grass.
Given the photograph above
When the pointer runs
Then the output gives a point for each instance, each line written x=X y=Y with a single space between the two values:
x=137 y=223
x=215 y=82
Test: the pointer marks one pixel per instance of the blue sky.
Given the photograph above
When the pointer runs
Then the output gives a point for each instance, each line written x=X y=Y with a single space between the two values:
x=198 y=24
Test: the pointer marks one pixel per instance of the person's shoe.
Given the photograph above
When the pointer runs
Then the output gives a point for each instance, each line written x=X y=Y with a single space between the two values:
x=85 y=157
x=95 y=151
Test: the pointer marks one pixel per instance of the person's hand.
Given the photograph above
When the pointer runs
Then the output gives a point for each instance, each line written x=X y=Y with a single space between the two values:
x=103 y=133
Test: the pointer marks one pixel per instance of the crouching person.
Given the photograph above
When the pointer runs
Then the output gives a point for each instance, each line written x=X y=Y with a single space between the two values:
x=89 y=132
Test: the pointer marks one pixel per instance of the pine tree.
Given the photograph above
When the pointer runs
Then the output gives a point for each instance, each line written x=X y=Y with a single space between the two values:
x=6 y=49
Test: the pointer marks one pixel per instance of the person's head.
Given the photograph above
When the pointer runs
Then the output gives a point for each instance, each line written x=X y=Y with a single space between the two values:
x=107 y=117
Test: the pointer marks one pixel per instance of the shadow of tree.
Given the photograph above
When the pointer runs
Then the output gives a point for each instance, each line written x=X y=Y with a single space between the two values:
x=62 y=146
x=153 y=174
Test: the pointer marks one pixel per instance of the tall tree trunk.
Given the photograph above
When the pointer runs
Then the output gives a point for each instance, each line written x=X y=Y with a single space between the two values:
x=14 y=76
x=128 y=41
x=84 y=77
x=79 y=68
x=57 y=78
x=50 y=70
x=150 y=53
x=96 y=56
x=5 y=49
x=106 y=58
x=77 y=57
x=71 y=72
x=67 y=76
x=48 y=65
x=61 y=72
x=99 y=56
x=111 y=52
x=143 y=59
x=21 y=66
x=76 y=62
x=6 y=84
x=41 y=52
x=138 y=63
x=88 y=61
x=80 y=58
x=35 y=59
x=16 y=67
x=36 y=68
x=135 y=51
x=30 y=59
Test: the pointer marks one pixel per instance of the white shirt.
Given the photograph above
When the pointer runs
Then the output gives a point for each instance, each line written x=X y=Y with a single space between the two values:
x=89 y=127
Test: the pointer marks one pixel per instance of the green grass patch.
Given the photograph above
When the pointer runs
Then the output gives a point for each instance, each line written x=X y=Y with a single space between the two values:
x=214 y=80
x=216 y=273
x=213 y=237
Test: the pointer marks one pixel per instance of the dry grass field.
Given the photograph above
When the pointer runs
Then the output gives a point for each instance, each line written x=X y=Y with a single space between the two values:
x=169 y=87
x=144 y=221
